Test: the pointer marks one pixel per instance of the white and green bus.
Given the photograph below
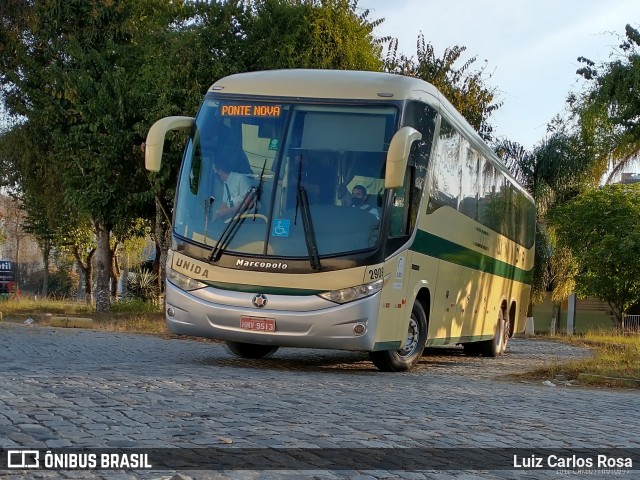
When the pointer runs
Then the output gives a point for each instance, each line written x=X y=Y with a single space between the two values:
x=439 y=251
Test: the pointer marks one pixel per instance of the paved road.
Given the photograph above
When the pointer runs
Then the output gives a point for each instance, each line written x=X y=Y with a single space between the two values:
x=77 y=388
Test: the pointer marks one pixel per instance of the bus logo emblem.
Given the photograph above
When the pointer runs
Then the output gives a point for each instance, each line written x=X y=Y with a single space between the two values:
x=260 y=300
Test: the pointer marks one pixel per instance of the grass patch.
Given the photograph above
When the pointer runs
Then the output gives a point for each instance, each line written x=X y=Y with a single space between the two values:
x=615 y=364
x=22 y=306
x=153 y=323
x=133 y=316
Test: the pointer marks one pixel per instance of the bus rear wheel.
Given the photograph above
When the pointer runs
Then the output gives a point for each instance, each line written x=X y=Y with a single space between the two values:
x=251 y=350
x=497 y=345
x=406 y=357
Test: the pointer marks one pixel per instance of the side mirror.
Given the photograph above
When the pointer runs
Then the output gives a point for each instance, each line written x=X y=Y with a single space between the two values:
x=155 y=139
x=398 y=155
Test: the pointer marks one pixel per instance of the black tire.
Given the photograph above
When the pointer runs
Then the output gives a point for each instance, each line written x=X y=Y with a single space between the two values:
x=251 y=350
x=471 y=349
x=405 y=358
x=495 y=346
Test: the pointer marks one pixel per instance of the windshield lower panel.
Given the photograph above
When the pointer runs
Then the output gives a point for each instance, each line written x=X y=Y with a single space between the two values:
x=248 y=165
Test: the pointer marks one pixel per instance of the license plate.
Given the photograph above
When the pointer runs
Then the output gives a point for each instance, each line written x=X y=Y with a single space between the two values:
x=258 y=324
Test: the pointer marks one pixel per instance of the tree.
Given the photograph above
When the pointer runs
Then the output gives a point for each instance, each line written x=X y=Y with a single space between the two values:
x=601 y=229
x=559 y=168
x=466 y=89
x=327 y=34
x=608 y=110
x=73 y=65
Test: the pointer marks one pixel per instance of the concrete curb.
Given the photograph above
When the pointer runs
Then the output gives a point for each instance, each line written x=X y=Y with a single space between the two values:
x=71 y=322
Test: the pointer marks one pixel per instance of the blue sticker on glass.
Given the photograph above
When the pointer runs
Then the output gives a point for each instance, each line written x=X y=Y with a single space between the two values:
x=281 y=228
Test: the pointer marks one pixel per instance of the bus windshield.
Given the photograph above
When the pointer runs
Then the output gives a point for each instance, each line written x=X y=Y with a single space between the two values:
x=284 y=179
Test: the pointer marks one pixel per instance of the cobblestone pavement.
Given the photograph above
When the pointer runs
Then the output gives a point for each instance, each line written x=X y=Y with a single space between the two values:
x=80 y=388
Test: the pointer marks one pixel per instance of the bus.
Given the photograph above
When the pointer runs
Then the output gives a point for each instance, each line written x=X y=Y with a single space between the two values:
x=7 y=278
x=296 y=261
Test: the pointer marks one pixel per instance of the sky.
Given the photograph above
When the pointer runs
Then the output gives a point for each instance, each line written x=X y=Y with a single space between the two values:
x=531 y=47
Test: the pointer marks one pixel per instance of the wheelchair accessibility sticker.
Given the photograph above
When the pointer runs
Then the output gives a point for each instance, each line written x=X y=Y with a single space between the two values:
x=281 y=228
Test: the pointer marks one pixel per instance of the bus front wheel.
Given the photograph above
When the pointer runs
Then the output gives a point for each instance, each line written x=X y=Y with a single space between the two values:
x=406 y=357
x=251 y=350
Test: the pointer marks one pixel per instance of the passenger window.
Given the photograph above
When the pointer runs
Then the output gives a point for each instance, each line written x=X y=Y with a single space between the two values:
x=487 y=203
x=447 y=170
x=469 y=186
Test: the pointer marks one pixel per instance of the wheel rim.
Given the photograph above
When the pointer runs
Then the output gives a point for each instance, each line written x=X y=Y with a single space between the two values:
x=413 y=334
x=506 y=334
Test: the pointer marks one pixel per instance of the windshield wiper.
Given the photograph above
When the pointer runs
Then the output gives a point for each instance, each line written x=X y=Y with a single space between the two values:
x=302 y=201
x=231 y=228
x=251 y=198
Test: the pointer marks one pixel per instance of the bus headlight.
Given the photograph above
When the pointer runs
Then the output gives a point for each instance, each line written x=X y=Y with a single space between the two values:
x=182 y=281
x=345 y=295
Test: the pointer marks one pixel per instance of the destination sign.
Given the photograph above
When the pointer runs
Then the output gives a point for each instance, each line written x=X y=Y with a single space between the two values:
x=250 y=111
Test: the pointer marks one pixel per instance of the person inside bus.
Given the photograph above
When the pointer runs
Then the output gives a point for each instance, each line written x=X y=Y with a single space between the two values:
x=234 y=189
x=360 y=199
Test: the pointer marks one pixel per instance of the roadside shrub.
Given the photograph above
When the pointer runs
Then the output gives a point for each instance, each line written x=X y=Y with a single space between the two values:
x=142 y=285
x=63 y=283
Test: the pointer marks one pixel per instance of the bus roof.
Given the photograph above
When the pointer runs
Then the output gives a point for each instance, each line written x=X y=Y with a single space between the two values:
x=345 y=84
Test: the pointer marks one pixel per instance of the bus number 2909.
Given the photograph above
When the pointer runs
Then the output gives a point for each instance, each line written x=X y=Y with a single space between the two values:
x=375 y=273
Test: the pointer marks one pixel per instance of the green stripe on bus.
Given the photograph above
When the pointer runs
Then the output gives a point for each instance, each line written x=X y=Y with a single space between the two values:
x=442 y=249
x=266 y=289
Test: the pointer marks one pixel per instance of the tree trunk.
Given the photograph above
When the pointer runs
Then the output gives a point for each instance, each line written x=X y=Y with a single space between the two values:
x=555 y=320
x=17 y=278
x=618 y=312
x=163 y=242
x=125 y=277
x=86 y=270
x=115 y=272
x=102 y=267
x=46 y=250
x=80 y=292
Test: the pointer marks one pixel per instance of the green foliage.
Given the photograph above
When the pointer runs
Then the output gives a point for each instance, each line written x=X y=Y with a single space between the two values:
x=465 y=88
x=63 y=284
x=609 y=110
x=142 y=285
x=559 y=168
x=327 y=34
x=601 y=229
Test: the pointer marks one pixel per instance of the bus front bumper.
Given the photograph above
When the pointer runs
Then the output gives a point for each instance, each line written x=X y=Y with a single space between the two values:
x=350 y=326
